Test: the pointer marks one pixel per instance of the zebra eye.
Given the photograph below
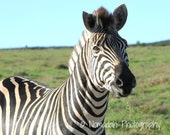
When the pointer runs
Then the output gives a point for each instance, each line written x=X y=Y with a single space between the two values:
x=96 y=49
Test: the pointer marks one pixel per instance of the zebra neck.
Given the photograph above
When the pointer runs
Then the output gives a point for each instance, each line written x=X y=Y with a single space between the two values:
x=77 y=51
x=90 y=103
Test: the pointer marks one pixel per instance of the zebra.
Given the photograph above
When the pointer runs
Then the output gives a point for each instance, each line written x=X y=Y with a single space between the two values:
x=98 y=66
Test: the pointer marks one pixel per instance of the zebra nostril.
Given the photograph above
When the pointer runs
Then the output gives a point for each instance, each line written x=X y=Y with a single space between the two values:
x=119 y=82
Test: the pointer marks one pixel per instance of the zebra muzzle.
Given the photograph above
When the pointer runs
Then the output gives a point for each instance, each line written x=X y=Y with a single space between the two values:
x=125 y=80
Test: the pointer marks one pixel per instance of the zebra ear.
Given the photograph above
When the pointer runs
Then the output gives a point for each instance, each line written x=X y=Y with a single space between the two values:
x=120 y=16
x=89 y=21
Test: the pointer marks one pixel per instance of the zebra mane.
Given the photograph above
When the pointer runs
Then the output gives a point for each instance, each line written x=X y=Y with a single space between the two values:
x=106 y=18
x=76 y=51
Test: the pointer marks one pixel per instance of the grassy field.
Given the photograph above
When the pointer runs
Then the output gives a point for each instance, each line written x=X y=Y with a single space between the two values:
x=145 y=112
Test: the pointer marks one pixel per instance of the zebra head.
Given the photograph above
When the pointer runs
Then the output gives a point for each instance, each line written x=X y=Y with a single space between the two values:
x=106 y=55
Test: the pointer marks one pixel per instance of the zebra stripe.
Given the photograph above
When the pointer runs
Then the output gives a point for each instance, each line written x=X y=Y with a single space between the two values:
x=77 y=50
x=98 y=66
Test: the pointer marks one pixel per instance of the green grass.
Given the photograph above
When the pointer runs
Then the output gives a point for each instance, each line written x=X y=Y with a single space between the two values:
x=38 y=64
x=145 y=111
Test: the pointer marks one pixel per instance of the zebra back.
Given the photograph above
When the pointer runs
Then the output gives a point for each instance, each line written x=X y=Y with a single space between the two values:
x=22 y=104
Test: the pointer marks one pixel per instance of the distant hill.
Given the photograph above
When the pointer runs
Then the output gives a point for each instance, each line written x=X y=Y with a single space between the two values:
x=158 y=43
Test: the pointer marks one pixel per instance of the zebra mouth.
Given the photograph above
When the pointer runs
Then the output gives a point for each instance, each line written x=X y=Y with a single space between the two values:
x=123 y=95
x=119 y=92
x=120 y=95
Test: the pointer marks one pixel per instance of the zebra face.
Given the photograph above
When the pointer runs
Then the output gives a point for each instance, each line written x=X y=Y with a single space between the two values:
x=107 y=58
x=108 y=64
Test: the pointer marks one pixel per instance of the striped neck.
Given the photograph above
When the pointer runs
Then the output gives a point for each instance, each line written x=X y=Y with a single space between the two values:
x=90 y=103
x=77 y=50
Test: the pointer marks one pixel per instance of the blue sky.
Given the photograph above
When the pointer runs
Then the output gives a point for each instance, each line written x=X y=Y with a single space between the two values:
x=59 y=23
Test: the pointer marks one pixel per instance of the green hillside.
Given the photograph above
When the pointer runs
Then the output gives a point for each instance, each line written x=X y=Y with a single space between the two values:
x=145 y=112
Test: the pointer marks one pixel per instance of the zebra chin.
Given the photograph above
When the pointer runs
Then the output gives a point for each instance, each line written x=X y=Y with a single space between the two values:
x=120 y=92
